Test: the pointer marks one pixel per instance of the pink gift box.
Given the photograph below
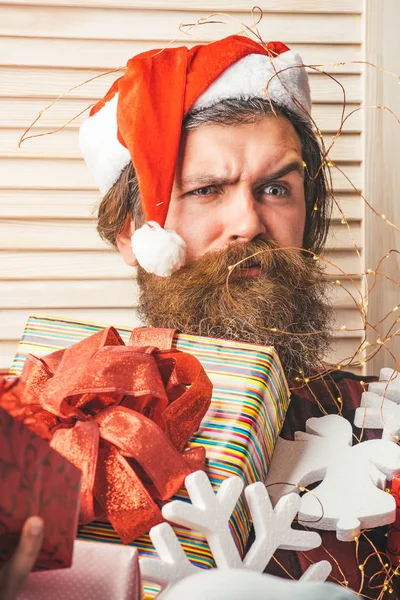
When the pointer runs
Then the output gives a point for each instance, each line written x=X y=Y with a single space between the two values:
x=99 y=572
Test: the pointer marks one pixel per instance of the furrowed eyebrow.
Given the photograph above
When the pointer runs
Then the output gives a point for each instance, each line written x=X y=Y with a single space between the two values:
x=204 y=180
x=293 y=167
x=210 y=179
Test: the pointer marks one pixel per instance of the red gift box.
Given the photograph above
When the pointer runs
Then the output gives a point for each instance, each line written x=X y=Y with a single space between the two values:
x=393 y=536
x=36 y=480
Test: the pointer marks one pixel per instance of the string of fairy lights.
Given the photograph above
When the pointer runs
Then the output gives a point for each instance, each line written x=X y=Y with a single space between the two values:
x=366 y=349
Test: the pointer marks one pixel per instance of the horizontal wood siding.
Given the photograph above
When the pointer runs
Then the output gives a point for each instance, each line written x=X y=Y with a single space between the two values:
x=51 y=258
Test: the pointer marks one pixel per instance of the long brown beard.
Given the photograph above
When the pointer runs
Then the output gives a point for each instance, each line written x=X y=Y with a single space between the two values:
x=276 y=308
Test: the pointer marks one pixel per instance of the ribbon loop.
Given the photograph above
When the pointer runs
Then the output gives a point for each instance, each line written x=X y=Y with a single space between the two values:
x=123 y=415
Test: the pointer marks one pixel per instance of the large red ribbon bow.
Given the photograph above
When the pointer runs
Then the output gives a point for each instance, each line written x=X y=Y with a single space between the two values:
x=123 y=415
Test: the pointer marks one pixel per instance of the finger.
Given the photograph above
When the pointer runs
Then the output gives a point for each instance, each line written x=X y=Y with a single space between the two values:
x=24 y=557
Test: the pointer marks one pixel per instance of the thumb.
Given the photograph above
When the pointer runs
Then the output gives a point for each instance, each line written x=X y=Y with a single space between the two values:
x=15 y=572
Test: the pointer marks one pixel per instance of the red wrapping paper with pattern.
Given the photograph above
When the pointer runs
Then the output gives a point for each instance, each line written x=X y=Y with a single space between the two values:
x=36 y=480
x=393 y=536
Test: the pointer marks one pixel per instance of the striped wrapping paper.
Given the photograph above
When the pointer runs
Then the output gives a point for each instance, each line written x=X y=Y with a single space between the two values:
x=249 y=403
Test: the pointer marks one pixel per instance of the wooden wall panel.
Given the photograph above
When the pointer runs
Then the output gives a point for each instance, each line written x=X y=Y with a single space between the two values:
x=382 y=177
x=302 y=6
x=51 y=259
x=80 y=22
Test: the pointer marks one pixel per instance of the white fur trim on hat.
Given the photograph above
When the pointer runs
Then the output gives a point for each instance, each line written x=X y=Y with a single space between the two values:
x=255 y=76
x=105 y=156
x=157 y=250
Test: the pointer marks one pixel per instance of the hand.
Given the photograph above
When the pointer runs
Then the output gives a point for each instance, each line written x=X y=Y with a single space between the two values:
x=15 y=572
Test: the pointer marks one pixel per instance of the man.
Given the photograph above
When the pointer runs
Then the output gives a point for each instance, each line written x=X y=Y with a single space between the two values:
x=245 y=178
x=213 y=183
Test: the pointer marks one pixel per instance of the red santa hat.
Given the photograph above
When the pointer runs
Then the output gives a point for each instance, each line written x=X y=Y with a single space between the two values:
x=140 y=120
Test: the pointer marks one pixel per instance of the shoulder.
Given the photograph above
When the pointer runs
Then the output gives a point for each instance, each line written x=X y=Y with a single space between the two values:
x=337 y=393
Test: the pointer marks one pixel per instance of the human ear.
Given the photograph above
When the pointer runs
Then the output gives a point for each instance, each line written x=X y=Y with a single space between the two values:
x=124 y=243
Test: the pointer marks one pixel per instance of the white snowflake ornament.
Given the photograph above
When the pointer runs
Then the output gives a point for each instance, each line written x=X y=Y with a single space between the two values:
x=351 y=494
x=238 y=584
x=380 y=406
x=209 y=513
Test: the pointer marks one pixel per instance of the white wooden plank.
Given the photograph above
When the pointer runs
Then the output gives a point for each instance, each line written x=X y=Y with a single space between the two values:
x=64 y=265
x=68 y=294
x=67 y=204
x=307 y=6
x=326 y=116
x=346 y=295
x=34 y=173
x=340 y=237
x=96 y=23
x=342 y=260
x=350 y=318
x=347 y=147
x=64 y=144
x=93 y=54
x=51 y=235
x=48 y=204
x=38 y=82
x=382 y=140
x=348 y=178
x=29 y=108
x=37 y=173
x=343 y=351
x=82 y=235
x=64 y=204
x=7 y=353
x=57 y=265
x=12 y=322
x=351 y=205
x=104 y=294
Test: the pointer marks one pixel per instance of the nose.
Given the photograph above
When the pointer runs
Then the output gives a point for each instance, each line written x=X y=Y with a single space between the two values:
x=244 y=220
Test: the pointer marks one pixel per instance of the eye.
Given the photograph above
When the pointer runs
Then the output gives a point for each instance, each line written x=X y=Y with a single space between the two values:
x=275 y=190
x=203 y=191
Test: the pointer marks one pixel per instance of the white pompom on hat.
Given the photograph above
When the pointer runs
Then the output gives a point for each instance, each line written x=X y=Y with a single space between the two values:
x=140 y=120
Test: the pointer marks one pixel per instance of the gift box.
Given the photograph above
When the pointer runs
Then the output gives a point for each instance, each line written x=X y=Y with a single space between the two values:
x=36 y=480
x=98 y=571
x=393 y=535
x=249 y=402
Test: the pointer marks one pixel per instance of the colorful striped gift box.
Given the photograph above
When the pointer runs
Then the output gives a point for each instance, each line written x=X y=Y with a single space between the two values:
x=249 y=403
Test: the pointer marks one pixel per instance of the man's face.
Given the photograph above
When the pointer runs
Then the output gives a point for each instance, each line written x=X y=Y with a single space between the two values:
x=238 y=184
x=238 y=202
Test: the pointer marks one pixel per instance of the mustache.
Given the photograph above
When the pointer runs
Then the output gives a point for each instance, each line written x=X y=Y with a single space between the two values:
x=217 y=267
